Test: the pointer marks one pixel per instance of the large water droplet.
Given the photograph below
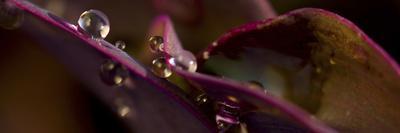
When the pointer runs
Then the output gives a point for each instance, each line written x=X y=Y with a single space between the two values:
x=156 y=43
x=185 y=61
x=10 y=16
x=120 y=44
x=160 y=68
x=94 y=23
x=113 y=73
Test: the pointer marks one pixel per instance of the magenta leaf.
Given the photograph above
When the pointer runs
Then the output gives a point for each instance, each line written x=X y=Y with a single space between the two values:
x=152 y=102
x=219 y=89
x=317 y=60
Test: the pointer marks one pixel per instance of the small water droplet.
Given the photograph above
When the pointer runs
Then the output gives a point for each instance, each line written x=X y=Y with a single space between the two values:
x=122 y=109
x=206 y=55
x=11 y=17
x=94 y=23
x=113 y=73
x=160 y=68
x=202 y=98
x=214 y=44
x=318 y=70
x=255 y=84
x=332 y=61
x=185 y=61
x=120 y=44
x=156 y=43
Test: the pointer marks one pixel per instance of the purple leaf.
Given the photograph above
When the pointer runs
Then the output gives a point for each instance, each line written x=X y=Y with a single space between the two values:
x=222 y=88
x=325 y=64
x=153 y=102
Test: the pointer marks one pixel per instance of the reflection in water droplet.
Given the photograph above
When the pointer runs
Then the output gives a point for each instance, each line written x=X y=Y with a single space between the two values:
x=120 y=44
x=10 y=16
x=160 y=68
x=156 y=43
x=185 y=61
x=113 y=73
x=94 y=23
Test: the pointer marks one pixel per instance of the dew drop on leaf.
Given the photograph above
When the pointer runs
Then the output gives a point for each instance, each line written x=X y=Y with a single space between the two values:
x=122 y=109
x=160 y=68
x=120 y=44
x=94 y=23
x=10 y=16
x=113 y=73
x=186 y=61
x=156 y=43
x=332 y=61
x=255 y=84
x=201 y=99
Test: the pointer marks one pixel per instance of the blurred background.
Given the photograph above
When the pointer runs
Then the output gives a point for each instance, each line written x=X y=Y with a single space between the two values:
x=39 y=95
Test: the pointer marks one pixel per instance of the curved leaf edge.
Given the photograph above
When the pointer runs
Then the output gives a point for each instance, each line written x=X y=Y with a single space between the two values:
x=132 y=65
x=243 y=29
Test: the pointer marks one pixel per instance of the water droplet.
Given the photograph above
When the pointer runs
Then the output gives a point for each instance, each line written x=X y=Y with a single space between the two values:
x=160 y=68
x=214 y=44
x=113 y=73
x=122 y=109
x=332 y=61
x=318 y=70
x=94 y=23
x=202 y=98
x=156 y=43
x=120 y=44
x=185 y=61
x=206 y=55
x=255 y=84
x=11 y=17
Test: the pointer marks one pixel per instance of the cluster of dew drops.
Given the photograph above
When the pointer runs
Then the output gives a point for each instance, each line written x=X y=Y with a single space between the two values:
x=96 y=24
